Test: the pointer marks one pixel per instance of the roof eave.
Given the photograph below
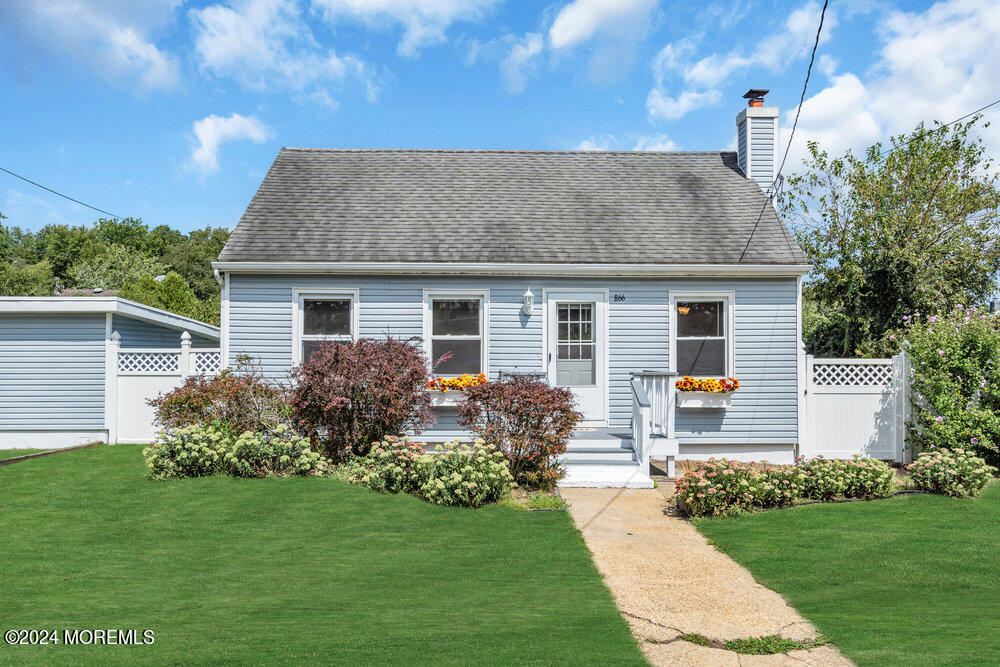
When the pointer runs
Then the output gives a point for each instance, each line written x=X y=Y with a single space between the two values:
x=105 y=304
x=516 y=269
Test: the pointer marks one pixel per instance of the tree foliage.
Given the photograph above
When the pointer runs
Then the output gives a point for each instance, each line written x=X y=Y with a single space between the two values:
x=911 y=227
x=124 y=255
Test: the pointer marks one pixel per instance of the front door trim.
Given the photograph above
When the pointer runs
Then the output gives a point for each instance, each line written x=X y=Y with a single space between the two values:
x=601 y=297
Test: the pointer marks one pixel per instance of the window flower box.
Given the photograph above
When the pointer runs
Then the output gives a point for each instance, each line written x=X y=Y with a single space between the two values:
x=705 y=392
x=704 y=399
x=445 y=399
x=448 y=391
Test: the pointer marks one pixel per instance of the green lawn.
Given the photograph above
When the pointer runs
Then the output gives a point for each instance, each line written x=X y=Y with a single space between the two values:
x=907 y=580
x=11 y=453
x=297 y=569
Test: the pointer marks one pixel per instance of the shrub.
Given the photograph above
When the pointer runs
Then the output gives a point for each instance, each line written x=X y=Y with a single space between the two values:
x=189 y=451
x=239 y=398
x=389 y=466
x=268 y=454
x=464 y=475
x=529 y=421
x=955 y=395
x=826 y=479
x=350 y=395
x=952 y=472
x=723 y=487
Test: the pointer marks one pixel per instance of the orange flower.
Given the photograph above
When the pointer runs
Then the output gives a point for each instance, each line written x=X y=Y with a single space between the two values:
x=712 y=385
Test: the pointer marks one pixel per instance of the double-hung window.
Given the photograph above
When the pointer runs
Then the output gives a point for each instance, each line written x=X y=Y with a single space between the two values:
x=323 y=316
x=703 y=335
x=455 y=325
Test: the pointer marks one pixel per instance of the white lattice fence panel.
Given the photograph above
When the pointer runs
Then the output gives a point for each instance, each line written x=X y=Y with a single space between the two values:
x=207 y=363
x=154 y=363
x=851 y=375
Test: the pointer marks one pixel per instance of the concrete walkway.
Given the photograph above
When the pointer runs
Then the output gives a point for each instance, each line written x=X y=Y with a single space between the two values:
x=668 y=581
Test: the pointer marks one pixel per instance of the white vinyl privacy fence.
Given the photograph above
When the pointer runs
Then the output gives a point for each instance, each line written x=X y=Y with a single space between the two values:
x=136 y=375
x=856 y=406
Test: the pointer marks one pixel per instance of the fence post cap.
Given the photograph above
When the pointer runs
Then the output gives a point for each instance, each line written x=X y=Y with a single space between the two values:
x=185 y=337
x=116 y=337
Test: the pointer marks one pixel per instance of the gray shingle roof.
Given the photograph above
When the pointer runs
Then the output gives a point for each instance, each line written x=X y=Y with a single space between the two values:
x=509 y=206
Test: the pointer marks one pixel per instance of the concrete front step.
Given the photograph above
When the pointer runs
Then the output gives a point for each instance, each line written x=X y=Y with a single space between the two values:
x=599 y=446
x=606 y=477
x=620 y=457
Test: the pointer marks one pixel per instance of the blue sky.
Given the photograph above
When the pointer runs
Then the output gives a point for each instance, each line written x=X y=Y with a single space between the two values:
x=172 y=111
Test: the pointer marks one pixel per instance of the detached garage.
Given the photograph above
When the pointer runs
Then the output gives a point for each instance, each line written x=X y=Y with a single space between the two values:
x=59 y=364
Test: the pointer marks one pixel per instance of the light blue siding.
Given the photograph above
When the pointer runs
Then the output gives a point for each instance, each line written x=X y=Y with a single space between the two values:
x=762 y=150
x=139 y=333
x=763 y=411
x=52 y=372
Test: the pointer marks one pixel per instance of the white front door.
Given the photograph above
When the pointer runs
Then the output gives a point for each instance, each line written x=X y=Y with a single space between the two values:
x=578 y=349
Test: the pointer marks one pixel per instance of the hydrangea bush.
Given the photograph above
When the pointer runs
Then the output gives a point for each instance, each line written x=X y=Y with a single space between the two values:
x=188 y=451
x=389 y=466
x=952 y=472
x=464 y=475
x=826 y=479
x=275 y=453
x=955 y=360
x=723 y=487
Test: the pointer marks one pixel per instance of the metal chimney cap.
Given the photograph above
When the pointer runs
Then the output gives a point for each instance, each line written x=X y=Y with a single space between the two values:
x=755 y=93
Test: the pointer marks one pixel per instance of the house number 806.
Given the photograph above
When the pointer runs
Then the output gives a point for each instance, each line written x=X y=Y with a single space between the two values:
x=619 y=297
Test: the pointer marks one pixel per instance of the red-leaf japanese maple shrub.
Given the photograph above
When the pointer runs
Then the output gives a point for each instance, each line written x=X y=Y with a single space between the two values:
x=529 y=421
x=350 y=395
x=238 y=399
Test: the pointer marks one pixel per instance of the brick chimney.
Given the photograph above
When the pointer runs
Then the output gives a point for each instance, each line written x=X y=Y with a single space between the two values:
x=757 y=139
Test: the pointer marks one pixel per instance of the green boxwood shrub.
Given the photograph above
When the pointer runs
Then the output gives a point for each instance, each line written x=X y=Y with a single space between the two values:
x=189 y=451
x=826 y=479
x=275 y=453
x=952 y=472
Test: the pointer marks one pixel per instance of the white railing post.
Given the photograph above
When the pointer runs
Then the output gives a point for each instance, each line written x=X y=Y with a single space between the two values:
x=900 y=389
x=112 y=348
x=186 y=357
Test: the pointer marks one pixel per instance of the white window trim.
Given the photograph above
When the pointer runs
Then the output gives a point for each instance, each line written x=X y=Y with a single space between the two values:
x=484 y=324
x=728 y=299
x=300 y=294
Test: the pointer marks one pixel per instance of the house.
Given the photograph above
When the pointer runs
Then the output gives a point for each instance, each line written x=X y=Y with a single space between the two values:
x=59 y=365
x=605 y=272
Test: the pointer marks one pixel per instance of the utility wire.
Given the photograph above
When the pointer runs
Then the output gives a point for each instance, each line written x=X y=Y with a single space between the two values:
x=39 y=185
x=788 y=147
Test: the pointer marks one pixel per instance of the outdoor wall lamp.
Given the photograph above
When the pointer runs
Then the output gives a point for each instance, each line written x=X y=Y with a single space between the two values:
x=529 y=303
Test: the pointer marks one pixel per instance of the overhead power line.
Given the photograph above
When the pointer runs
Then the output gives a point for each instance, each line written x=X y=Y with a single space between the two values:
x=76 y=201
x=788 y=146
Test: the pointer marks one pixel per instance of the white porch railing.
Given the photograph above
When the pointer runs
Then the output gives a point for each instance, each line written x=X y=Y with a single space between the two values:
x=653 y=403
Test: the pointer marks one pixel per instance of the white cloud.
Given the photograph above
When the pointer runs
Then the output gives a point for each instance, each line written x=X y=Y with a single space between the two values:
x=111 y=37
x=640 y=142
x=938 y=64
x=580 y=20
x=264 y=44
x=660 y=105
x=424 y=21
x=519 y=63
x=614 y=29
x=213 y=131
x=701 y=77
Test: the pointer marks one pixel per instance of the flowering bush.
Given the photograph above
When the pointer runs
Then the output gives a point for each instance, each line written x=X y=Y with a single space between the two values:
x=952 y=472
x=723 y=487
x=389 y=466
x=955 y=395
x=460 y=383
x=826 y=479
x=275 y=453
x=240 y=398
x=350 y=395
x=189 y=451
x=529 y=421
x=716 y=386
x=464 y=475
